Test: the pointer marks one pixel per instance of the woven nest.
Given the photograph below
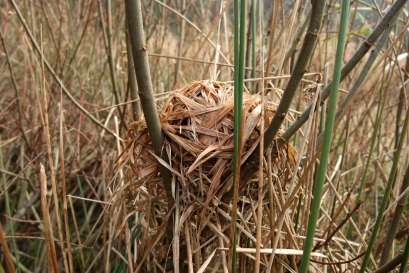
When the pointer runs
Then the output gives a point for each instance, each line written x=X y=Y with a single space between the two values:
x=197 y=122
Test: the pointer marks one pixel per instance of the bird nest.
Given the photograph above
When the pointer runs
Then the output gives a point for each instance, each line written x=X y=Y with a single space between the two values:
x=197 y=122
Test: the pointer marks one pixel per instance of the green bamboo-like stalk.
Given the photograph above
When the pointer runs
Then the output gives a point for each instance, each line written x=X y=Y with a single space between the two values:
x=253 y=40
x=143 y=76
x=329 y=124
x=249 y=43
x=385 y=199
x=251 y=46
x=239 y=46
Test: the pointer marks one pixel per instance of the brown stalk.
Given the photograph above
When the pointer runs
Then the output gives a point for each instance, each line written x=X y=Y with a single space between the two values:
x=278 y=224
x=43 y=105
x=188 y=250
x=260 y=195
x=68 y=250
x=154 y=240
x=47 y=226
x=8 y=257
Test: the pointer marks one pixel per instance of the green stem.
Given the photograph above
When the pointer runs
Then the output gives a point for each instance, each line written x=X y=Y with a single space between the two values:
x=239 y=46
x=141 y=65
x=253 y=39
x=329 y=124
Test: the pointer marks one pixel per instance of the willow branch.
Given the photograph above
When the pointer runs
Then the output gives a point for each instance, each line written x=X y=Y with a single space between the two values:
x=145 y=89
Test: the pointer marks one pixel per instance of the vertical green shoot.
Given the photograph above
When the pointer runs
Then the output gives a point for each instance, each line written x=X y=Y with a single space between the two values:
x=134 y=20
x=239 y=46
x=253 y=39
x=329 y=124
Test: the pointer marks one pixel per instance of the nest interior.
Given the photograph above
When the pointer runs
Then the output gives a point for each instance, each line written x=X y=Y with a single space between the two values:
x=197 y=122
